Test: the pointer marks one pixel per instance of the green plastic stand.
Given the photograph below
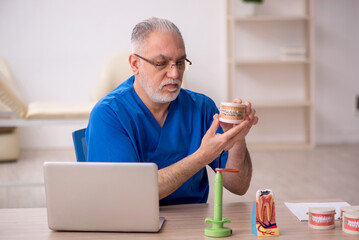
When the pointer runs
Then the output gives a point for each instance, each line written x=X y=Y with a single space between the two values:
x=217 y=229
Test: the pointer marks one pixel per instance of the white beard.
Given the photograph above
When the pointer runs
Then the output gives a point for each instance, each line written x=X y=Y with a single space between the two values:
x=156 y=94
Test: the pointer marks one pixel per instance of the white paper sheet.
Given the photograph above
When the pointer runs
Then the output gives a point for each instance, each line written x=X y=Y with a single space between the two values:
x=300 y=210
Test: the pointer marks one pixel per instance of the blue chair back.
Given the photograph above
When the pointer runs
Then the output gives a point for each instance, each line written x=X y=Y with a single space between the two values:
x=80 y=144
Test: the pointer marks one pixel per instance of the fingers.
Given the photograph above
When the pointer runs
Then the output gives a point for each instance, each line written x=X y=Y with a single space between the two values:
x=233 y=133
x=226 y=126
x=248 y=104
x=215 y=124
x=239 y=137
x=250 y=112
x=237 y=100
x=253 y=119
x=236 y=130
x=252 y=115
x=248 y=107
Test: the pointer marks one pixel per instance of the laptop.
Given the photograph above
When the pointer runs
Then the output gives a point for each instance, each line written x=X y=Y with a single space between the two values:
x=116 y=197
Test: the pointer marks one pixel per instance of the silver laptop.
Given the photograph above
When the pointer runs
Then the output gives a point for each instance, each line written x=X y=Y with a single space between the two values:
x=83 y=196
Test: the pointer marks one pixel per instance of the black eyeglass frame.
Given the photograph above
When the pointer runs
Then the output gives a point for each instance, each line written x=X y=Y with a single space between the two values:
x=159 y=65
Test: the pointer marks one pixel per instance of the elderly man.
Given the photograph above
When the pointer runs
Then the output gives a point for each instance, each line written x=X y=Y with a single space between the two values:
x=149 y=118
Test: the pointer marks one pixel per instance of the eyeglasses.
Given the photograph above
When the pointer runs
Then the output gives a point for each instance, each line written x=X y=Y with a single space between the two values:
x=181 y=65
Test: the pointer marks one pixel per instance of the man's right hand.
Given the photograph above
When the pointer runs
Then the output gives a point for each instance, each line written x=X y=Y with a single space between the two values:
x=214 y=143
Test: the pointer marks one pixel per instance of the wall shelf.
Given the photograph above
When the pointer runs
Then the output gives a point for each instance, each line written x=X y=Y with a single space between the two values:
x=282 y=103
x=271 y=19
x=270 y=62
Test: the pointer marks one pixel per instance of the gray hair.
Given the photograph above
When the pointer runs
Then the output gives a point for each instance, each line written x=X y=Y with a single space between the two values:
x=141 y=31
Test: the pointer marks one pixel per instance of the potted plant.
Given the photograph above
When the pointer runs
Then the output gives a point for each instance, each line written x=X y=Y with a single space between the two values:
x=251 y=6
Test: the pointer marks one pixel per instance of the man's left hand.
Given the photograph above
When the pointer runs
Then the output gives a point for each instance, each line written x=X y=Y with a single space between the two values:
x=250 y=117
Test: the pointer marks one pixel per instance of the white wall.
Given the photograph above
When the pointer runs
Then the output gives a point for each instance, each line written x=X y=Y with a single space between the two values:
x=337 y=51
x=55 y=50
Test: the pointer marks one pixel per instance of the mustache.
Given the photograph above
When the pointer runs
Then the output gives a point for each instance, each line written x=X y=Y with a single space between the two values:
x=171 y=81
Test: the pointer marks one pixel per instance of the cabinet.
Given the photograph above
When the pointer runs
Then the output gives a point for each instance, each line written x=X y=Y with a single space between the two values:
x=270 y=62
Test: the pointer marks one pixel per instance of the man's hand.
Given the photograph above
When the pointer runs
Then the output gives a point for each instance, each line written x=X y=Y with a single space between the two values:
x=213 y=143
x=250 y=120
x=173 y=176
x=238 y=155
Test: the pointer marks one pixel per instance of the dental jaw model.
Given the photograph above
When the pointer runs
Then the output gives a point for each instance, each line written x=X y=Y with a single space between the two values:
x=232 y=112
x=321 y=218
x=263 y=214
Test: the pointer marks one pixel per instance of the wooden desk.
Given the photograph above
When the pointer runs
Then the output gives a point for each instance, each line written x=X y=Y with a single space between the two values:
x=182 y=222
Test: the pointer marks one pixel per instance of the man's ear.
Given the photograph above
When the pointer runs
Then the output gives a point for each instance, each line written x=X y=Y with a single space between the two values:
x=134 y=63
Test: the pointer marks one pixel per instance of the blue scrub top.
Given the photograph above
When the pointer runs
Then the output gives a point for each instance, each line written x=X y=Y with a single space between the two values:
x=122 y=129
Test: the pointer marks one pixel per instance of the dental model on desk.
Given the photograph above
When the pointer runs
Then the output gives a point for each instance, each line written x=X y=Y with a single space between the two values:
x=217 y=229
x=263 y=214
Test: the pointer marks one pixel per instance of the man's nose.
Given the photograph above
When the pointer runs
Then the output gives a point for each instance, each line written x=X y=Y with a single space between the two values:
x=173 y=72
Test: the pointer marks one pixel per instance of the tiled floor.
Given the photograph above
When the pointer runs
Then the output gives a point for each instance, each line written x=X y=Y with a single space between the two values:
x=327 y=172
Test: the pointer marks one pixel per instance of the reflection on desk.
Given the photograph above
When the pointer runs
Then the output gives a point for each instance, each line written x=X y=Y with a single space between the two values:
x=182 y=222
